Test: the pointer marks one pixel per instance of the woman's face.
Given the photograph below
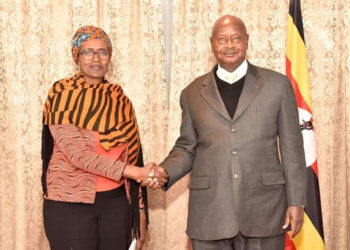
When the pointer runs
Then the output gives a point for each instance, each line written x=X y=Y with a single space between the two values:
x=93 y=60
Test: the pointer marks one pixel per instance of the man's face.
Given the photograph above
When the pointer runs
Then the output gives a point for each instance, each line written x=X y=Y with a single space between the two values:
x=229 y=44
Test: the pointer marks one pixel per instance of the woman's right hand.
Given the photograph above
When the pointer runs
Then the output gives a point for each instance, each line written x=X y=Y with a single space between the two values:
x=158 y=176
x=153 y=175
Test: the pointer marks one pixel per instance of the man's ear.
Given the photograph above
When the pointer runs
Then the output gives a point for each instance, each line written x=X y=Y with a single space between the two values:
x=211 y=41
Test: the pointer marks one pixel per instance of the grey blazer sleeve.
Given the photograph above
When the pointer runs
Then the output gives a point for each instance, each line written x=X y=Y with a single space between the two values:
x=180 y=159
x=291 y=148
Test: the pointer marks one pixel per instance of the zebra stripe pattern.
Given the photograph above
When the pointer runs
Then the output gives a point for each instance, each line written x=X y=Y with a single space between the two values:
x=74 y=164
x=98 y=107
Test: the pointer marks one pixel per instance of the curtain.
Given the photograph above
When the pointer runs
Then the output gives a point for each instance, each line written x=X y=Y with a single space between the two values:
x=35 y=52
x=35 y=40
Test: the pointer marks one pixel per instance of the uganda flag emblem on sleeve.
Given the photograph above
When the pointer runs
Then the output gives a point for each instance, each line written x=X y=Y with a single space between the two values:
x=311 y=234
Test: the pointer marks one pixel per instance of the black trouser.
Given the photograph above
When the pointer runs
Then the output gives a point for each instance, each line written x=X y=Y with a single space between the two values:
x=104 y=225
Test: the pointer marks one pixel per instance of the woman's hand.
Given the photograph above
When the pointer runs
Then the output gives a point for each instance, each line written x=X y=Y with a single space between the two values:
x=147 y=173
x=158 y=179
x=157 y=176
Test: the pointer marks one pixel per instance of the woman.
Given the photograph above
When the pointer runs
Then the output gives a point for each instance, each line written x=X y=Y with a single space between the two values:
x=90 y=150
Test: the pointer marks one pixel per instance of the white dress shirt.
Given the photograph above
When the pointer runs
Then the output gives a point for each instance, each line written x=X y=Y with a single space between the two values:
x=232 y=77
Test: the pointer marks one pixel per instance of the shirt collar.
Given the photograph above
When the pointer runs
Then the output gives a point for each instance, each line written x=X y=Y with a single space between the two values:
x=234 y=76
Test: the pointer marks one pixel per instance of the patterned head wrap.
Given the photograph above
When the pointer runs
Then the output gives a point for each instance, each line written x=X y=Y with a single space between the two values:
x=87 y=33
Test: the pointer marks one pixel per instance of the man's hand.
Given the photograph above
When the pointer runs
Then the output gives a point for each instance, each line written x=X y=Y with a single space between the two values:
x=295 y=217
x=158 y=176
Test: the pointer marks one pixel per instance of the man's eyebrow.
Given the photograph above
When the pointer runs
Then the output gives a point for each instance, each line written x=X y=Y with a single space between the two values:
x=96 y=49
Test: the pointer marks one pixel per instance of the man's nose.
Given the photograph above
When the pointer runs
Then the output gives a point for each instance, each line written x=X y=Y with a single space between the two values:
x=230 y=43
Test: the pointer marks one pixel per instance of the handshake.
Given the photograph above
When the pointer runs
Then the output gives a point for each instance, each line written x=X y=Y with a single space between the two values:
x=156 y=176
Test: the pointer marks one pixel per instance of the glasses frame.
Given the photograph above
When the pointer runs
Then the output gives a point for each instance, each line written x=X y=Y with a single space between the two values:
x=83 y=54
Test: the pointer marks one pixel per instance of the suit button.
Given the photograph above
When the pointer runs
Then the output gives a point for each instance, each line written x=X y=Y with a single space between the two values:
x=234 y=152
x=233 y=130
x=236 y=177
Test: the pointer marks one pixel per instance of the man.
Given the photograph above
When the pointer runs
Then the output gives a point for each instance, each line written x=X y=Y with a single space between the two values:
x=234 y=118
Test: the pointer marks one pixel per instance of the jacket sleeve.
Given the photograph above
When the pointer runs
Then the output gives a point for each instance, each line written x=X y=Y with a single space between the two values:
x=180 y=159
x=69 y=140
x=291 y=148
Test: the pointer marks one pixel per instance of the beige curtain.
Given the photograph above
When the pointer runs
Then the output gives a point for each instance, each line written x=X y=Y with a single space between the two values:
x=35 y=51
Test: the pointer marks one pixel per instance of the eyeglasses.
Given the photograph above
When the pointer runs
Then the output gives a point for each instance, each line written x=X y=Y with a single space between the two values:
x=89 y=54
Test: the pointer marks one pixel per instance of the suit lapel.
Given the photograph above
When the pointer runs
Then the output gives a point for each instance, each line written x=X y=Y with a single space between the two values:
x=251 y=87
x=211 y=95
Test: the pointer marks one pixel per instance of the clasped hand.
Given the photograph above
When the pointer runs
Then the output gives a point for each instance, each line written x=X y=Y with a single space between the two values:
x=157 y=176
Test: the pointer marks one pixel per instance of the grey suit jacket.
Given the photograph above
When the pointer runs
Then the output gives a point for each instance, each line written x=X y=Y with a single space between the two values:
x=238 y=182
